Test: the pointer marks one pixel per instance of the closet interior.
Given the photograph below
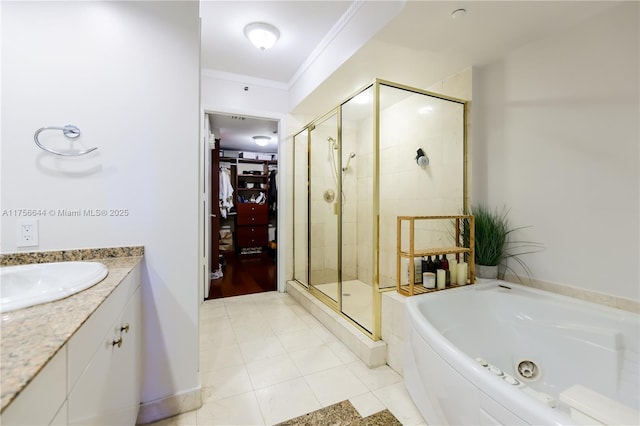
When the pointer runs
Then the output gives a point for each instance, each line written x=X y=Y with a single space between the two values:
x=244 y=205
x=248 y=205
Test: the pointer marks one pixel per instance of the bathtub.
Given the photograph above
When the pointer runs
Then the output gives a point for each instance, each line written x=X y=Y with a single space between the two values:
x=502 y=353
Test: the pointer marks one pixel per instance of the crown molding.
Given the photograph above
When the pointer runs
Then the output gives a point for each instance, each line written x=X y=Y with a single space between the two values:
x=346 y=17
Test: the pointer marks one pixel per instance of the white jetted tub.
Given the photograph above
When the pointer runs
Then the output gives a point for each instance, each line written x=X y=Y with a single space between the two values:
x=502 y=353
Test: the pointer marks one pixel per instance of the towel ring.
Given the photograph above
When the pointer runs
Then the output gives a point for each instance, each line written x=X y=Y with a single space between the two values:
x=70 y=131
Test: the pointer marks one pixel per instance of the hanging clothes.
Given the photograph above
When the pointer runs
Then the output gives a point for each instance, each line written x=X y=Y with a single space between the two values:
x=226 y=192
x=272 y=197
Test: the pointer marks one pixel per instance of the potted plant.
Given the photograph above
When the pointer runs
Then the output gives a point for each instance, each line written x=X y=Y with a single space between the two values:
x=494 y=244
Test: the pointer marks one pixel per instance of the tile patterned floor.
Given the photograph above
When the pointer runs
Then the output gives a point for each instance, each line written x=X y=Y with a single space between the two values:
x=264 y=359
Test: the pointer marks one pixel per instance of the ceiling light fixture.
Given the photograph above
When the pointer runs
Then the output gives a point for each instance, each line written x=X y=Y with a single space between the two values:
x=262 y=35
x=261 y=140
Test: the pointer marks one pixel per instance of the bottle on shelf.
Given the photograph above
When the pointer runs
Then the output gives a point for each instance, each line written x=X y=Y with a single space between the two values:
x=444 y=264
x=437 y=263
x=427 y=265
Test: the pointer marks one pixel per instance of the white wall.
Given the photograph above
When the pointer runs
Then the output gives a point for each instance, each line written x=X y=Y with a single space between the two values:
x=126 y=73
x=226 y=92
x=556 y=139
x=359 y=23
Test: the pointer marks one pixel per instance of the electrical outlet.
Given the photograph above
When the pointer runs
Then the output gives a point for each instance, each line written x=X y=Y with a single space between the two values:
x=27 y=233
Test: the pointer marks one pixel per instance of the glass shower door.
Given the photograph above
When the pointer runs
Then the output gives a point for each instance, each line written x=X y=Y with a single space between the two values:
x=358 y=240
x=324 y=205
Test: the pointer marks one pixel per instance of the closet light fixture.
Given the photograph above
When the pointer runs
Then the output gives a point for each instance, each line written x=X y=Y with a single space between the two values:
x=261 y=140
x=262 y=35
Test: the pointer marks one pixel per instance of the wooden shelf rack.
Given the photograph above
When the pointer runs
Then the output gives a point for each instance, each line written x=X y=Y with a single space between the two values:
x=459 y=249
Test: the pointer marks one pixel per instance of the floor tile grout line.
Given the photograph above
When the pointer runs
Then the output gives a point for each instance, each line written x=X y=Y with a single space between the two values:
x=262 y=306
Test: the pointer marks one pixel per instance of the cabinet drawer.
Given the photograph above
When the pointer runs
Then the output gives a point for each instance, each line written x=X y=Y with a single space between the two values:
x=252 y=214
x=252 y=236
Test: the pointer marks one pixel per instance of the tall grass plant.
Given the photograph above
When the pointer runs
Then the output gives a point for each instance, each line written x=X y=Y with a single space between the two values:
x=494 y=243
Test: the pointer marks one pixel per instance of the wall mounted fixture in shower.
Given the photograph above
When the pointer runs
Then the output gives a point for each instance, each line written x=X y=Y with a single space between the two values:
x=351 y=156
x=421 y=158
x=70 y=132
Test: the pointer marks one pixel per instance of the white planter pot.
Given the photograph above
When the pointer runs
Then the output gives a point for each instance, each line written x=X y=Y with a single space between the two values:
x=485 y=271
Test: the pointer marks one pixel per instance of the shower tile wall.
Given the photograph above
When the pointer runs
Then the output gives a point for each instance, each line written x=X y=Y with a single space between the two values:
x=405 y=188
x=324 y=235
x=365 y=173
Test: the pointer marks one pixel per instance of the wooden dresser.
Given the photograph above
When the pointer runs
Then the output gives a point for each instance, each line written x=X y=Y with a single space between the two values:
x=252 y=225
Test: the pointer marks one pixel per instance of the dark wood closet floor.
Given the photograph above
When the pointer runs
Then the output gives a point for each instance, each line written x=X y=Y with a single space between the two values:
x=244 y=274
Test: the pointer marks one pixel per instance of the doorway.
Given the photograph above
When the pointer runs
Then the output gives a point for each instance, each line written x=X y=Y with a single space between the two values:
x=244 y=209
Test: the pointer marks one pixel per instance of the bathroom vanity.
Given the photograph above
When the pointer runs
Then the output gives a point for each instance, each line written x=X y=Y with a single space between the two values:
x=76 y=361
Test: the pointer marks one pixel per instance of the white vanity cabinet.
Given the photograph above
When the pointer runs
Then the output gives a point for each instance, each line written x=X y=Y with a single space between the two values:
x=95 y=377
x=104 y=361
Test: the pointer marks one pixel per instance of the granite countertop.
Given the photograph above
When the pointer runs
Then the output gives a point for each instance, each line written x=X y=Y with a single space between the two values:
x=30 y=337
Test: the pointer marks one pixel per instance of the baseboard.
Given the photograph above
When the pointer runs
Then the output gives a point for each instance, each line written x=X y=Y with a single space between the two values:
x=170 y=406
x=579 y=293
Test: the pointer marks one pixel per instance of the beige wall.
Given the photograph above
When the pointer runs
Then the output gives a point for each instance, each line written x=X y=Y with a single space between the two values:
x=557 y=142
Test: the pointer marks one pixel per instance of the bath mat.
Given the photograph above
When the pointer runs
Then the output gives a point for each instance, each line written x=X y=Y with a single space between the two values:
x=342 y=414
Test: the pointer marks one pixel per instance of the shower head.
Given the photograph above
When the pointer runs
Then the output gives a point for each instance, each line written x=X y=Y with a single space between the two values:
x=351 y=155
x=333 y=143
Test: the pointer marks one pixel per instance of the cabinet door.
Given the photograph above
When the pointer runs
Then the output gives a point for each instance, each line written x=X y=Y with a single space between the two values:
x=61 y=418
x=108 y=391
x=98 y=327
x=129 y=363
x=39 y=402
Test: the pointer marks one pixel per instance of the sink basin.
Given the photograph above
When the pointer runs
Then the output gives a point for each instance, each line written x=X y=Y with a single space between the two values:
x=27 y=285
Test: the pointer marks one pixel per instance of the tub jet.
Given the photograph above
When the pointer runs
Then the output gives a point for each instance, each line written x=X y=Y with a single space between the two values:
x=528 y=370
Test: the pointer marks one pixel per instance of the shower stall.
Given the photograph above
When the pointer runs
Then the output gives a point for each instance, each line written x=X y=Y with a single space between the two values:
x=355 y=171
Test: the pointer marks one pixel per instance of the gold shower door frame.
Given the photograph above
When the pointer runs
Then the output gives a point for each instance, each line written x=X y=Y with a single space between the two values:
x=336 y=305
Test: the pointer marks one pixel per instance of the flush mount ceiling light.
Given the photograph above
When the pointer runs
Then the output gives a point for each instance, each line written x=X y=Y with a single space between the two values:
x=261 y=140
x=262 y=35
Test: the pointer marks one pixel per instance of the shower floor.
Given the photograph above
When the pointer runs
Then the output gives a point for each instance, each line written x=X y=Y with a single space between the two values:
x=357 y=300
